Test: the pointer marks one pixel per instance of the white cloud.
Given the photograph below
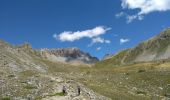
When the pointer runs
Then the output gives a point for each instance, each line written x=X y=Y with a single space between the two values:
x=122 y=41
x=107 y=41
x=99 y=40
x=72 y=36
x=145 y=7
x=99 y=48
x=130 y=18
x=118 y=15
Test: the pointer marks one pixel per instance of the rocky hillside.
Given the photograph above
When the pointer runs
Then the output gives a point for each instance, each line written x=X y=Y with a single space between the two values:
x=25 y=75
x=71 y=55
x=156 y=48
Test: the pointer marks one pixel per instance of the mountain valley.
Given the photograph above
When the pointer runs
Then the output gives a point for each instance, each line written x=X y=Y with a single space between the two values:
x=139 y=73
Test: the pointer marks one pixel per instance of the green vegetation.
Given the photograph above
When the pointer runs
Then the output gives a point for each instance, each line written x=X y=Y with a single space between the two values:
x=11 y=76
x=141 y=70
x=115 y=60
x=50 y=95
x=57 y=94
x=130 y=82
x=6 y=98
x=30 y=87
x=141 y=92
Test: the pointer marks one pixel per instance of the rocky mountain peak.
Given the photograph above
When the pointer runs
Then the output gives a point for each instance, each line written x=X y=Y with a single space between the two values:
x=66 y=52
x=68 y=55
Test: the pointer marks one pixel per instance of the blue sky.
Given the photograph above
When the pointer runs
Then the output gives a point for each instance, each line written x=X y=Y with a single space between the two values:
x=95 y=26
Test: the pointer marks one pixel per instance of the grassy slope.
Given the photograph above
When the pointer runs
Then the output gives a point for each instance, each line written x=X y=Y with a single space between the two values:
x=140 y=81
x=115 y=60
x=157 y=44
x=136 y=81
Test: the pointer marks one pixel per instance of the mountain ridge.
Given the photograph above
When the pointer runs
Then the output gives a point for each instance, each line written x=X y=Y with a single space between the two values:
x=69 y=55
x=72 y=55
x=153 y=49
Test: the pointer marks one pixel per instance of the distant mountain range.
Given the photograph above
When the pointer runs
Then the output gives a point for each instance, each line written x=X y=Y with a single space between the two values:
x=156 y=48
x=69 y=55
x=65 y=55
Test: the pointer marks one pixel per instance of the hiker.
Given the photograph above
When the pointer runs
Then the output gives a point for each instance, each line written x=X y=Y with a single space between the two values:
x=64 y=90
x=78 y=90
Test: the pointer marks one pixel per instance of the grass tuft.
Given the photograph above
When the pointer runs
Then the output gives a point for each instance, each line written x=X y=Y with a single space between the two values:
x=29 y=87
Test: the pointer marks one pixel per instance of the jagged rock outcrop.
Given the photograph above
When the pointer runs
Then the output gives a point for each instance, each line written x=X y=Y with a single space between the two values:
x=73 y=55
x=25 y=46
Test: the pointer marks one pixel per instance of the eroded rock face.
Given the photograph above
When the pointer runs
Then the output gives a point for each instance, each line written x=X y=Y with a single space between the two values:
x=68 y=55
x=69 y=52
